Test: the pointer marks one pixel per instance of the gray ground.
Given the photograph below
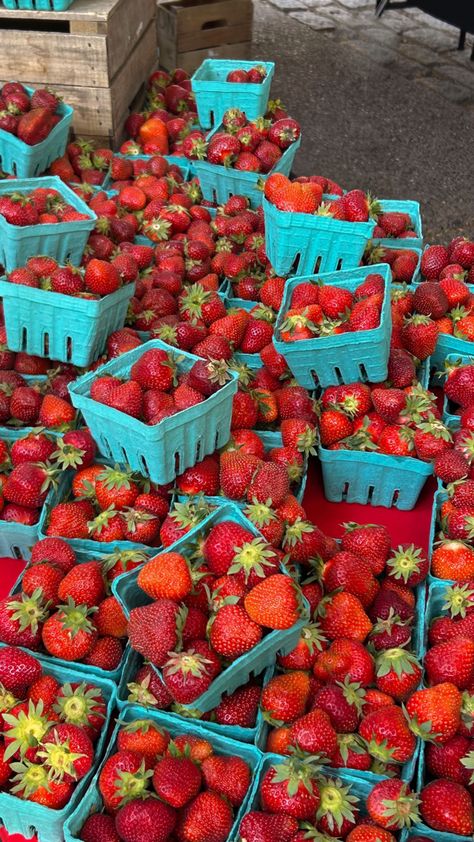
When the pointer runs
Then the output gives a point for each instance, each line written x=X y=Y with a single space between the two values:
x=385 y=105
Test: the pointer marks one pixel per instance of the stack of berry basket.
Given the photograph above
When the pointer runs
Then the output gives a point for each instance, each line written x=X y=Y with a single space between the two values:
x=205 y=365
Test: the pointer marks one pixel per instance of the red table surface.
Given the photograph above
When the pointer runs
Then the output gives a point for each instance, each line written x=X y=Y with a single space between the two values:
x=404 y=527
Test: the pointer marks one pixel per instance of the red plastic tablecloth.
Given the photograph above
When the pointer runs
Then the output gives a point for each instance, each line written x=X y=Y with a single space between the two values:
x=404 y=527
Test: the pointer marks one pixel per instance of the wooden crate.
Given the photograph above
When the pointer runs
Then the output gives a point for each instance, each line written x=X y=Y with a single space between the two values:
x=191 y=30
x=97 y=55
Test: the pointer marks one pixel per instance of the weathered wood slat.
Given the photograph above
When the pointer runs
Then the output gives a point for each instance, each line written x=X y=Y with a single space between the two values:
x=80 y=10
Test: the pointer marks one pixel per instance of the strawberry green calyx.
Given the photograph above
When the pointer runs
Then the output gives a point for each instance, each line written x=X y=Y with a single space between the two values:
x=102 y=520
x=76 y=705
x=190 y=513
x=374 y=207
x=28 y=778
x=336 y=803
x=361 y=440
x=190 y=713
x=295 y=771
x=295 y=531
x=26 y=729
x=75 y=618
x=243 y=371
x=307 y=441
x=467 y=710
x=402 y=811
x=29 y=611
x=380 y=751
x=133 y=517
x=157 y=228
x=252 y=557
x=468 y=763
x=193 y=299
x=387 y=624
x=297 y=321
x=421 y=729
x=115 y=478
x=458 y=598
x=139 y=693
x=396 y=660
x=436 y=428
x=188 y=663
x=122 y=560
x=218 y=372
x=68 y=455
x=59 y=759
x=261 y=514
x=350 y=742
x=313 y=637
x=7 y=699
x=354 y=693
x=378 y=767
x=167 y=333
x=404 y=562
x=132 y=785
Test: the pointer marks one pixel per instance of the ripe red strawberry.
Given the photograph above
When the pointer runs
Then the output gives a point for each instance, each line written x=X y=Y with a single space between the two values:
x=264 y=827
x=69 y=633
x=176 y=780
x=189 y=673
x=447 y=806
x=433 y=261
x=21 y=620
x=435 y=711
x=285 y=697
x=67 y=751
x=398 y=672
x=446 y=761
x=273 y=602
x=18 y=670
x=123 y=773
x=290 y=788
x=419 y=336
x=233 y=632
x=153 y=370
x=451 y=661
x=387 y=735
x=44 y=576
x=228 y=776
x=270 y=482
x=240 y=707
x=99 y=826
x=342 y=615
x=84 y=584
x=207 y=815
x=101 y=277
x=314 y=733
x=152 y=630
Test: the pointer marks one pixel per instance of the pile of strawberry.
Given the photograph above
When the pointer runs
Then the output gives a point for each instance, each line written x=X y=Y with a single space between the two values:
x=432 y=310
x=99 y=278
x=239 y=708
x=453 y=552
x=45 y=403
x=30 y=118
x=174 y=786
x=339 y=693
x=190 y=630
x=156 y=389
x=455 y=261
x=297 y=800
x=63 y=606
x=50 y=730
x=30 y=469
x=246 y=471
x=300 y=196
x=126 y=172
x=41 y=206
x=82 y=163
x=254 y=75
x=108 y=504
x=266 y=398
x=247 y=145
x=403 y=262
x=394 y=224
x=397 y=421
x=168 y=116
x=459 y=390
x=444 y=714
x=318 y=310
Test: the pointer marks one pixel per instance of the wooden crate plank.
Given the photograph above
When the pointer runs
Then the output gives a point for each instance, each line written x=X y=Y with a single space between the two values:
x=214 y=37
x=80 y=10
x=190 y=61
x=220 y=13
x=124 y=30
x=44 y=54
x=133 y=73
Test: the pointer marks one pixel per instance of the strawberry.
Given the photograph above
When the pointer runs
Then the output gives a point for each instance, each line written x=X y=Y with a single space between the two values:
x=176 y=780
x=221 y=544
x=144 y=738
x=342 y=615
x=433 y=261
x=435 y=711
x=152 y=630
x=273 y=603
x=189 y=673
x=451 y=661
x=387 y=735
x=265 y=827
x=240 y=707
x=84 y=584
x=447 y=806
x=18 y=670
x=342 y=702
x=32 y=782
x=398 y=672
x=122 y=778
x=28 y=484
x=21 y=620
x=69 y=633
x=233 y=632
x=314 y=734
x=345 y=658
x=352 y=573
x=66 y=752
x=208 y=815
x=166 y=576
x=446 y=760
x=153 y=370
x=46 y=578
x=285 y=696
x=228 y=776
x=148 y=690
x=289 y=787
x=99 y=826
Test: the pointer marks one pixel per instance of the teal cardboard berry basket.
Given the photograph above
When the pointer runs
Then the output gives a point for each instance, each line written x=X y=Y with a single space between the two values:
x=62 y=327
x=29 y=819
x=358 y=786
x=303 y=243
x=165 y=450
x=65 y=241
x=270 y=440
x=130 y=596
x=413 y=210
x=341 y=358
x=219 y=183
x=93 y=672
x=92 y=800
x=63 y=493
x=236 y=732
x=38 y=5
x=19 y=158
x=214 y=95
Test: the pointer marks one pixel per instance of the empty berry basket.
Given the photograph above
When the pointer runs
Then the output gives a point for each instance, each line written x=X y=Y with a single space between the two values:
x=341 y=358
x=24 y=161
x=214 y=95
x=30 y=819
x=130 y=595
x=65 y=241
x=219 y=183
x=303 y=243
x=373 y=478
x=92 y=801
x=165 y=450
x=61 y=327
